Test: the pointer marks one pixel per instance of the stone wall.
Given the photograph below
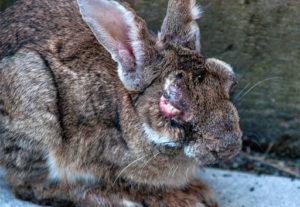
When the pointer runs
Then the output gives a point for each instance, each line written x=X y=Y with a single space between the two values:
x=5 y=3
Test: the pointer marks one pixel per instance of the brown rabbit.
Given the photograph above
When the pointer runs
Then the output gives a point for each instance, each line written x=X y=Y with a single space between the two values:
x=96 y=111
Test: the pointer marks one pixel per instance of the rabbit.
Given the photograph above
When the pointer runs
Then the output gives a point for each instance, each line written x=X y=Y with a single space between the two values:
x=95 y=110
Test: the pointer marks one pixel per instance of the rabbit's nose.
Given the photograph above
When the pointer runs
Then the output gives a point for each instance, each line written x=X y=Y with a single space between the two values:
x=230 y=144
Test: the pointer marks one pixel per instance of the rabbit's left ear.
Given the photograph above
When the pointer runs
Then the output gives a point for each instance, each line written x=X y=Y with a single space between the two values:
x=125 y=36
x=180 y=24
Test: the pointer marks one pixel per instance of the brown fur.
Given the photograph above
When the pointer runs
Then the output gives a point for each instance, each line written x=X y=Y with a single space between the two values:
x=60 y=96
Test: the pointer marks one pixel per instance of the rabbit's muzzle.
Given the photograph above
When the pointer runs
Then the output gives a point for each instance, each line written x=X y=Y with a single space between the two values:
x=217 y=138
x=210 y=149
x=226 y=147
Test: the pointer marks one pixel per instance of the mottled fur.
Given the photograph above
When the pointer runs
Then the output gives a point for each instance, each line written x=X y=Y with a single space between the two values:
x=72 y=132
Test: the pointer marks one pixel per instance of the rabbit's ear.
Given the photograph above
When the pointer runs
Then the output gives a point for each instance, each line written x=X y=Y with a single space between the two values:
x=117 y=27
x=180 y=24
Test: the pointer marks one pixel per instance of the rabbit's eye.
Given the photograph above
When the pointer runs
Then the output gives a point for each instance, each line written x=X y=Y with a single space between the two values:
x=198 y=77
x=232 y=87
x=178 y=76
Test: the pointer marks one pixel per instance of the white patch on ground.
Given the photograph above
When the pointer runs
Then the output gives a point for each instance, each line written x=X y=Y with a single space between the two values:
x=157 y=138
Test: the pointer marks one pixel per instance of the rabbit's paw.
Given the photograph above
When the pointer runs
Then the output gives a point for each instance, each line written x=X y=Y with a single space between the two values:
x=205 y=195
x=196 y=194
x=44 y=194
x=98 y=197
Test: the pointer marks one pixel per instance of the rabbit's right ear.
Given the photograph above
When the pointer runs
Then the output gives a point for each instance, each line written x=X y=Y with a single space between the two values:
x=180 y=24
x=125 y=36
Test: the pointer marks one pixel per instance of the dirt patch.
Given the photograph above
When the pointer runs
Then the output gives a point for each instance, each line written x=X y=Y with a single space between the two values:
x=263 y=163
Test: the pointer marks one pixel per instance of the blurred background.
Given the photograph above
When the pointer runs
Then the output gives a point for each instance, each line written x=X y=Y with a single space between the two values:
x=261 y=40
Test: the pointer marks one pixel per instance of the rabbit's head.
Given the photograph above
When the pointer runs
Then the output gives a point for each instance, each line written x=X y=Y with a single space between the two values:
x=184 y=98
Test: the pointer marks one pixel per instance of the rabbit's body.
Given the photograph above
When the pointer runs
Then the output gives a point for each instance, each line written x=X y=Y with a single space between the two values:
x=71 y=117
x=56 y=63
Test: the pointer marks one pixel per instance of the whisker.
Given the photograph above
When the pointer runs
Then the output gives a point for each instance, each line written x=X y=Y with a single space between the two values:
x=241 y=91
x=174 y=171
x=169 y=173
x=186 y=173
x=153 y=157
x=255 y=85
x=127 y=168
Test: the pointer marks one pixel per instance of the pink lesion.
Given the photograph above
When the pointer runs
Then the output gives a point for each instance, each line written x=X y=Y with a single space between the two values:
x=167 y=109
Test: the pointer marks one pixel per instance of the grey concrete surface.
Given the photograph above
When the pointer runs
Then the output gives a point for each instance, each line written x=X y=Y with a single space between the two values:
x=233 y=189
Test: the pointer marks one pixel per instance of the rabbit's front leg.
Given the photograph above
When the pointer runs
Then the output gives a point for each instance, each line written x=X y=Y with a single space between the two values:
x=122 y=194
x=101 y=196
x=44 y=193
x=61 y=194
x=196 y=194
x=83 y=195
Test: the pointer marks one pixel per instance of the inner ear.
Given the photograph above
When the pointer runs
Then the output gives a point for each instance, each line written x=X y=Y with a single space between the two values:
x=110 y=24
x=125 y=36
x=109 y=18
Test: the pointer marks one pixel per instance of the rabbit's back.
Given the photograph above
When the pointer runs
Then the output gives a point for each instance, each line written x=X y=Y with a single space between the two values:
x=34 y=21
x=79 y=68
x=55 y=80
x=28 y=113
x=53 y=28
